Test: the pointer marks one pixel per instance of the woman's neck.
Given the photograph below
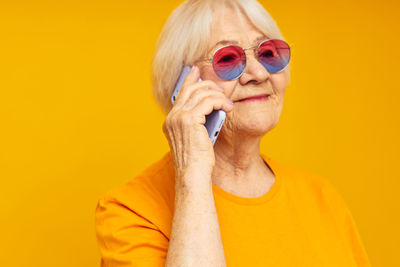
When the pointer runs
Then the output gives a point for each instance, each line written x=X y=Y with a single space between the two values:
x=238 y=164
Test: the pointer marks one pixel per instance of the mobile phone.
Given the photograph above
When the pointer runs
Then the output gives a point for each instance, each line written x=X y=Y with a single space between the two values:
x=214 y=120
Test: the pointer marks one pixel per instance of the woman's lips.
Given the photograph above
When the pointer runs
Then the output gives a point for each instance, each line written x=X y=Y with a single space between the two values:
x=254 y=98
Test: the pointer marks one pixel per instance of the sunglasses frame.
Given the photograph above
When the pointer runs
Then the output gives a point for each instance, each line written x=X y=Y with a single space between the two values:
x=244 y=51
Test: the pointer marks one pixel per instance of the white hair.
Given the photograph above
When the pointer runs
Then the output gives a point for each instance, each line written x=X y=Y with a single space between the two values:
x=184 y=39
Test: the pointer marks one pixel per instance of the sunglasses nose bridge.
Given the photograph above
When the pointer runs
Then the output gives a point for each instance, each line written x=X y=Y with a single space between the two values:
x=255 y=52
x=255 y=60
x=250 y=48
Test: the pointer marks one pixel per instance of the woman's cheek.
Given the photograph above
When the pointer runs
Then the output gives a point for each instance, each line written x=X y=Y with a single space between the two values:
x=229 y=88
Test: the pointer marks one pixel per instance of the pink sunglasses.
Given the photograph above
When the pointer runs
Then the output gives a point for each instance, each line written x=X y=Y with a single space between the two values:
x=229 y=61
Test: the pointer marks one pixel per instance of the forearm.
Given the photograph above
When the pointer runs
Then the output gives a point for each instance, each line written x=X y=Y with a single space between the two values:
x=195 y=234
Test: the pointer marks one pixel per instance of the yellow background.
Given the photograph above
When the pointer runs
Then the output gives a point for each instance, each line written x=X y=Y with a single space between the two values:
x=77 y=115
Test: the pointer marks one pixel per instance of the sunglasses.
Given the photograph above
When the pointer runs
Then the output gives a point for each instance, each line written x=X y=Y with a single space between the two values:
x=229 y=61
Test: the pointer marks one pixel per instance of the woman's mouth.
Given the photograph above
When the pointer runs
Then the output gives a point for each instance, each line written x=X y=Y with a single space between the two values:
x=263 y=97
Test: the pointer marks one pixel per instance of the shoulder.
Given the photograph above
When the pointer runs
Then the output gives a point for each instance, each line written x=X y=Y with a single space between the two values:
x=149 y=195
x=308 y=186
x=297 y=177
x=152 y=182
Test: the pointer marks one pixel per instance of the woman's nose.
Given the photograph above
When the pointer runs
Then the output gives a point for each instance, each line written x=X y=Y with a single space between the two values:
x=254 y=71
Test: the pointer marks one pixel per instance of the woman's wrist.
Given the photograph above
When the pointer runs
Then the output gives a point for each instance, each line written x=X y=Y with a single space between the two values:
x=193 y=179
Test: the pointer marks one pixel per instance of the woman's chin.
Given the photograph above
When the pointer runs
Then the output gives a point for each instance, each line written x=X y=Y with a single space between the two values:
x=256 y=125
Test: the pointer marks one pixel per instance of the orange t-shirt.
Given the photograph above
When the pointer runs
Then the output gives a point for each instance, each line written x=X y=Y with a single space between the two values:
x=301 y=221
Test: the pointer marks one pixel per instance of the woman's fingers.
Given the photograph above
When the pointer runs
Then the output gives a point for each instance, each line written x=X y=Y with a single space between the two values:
x=192 y=77
x=198 y=95
x=197 y=99
x=193 y=113
x=187 y=86
x=210 y=103
x=192 y=84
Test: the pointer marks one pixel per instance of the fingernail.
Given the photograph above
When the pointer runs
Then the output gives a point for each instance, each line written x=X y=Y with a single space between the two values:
x=230 y=101
x=191 y=70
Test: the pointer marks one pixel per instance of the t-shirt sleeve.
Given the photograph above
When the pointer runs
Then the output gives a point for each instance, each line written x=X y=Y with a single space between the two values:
x=347 y=224
x=354 y=239
x=127 y=239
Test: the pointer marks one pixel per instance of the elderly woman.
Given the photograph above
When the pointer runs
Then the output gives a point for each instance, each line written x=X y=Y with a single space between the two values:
x=224 y=204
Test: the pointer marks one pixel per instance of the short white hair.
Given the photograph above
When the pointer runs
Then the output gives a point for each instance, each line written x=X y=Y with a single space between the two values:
x=184 y=39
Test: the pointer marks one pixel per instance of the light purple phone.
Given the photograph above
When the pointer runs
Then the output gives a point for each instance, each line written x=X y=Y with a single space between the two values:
x=214 y=120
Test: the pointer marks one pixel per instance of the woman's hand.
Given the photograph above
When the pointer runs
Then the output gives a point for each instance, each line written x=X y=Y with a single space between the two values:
x=184 y=128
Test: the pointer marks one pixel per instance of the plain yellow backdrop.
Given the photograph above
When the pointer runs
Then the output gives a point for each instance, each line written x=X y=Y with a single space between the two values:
x=77 y=115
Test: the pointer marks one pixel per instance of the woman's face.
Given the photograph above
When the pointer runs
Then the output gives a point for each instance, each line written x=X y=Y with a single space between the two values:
x=247 y=117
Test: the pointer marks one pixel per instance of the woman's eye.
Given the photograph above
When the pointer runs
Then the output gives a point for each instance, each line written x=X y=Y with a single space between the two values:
x=267 y=53
x=226 y=58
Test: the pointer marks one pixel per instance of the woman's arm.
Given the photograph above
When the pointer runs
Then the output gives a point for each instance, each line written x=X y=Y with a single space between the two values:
x=195 y=234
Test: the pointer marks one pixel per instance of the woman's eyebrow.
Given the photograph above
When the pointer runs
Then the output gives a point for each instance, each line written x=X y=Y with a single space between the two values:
x=261 y=38
x=225 y=42
x=234 y=42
